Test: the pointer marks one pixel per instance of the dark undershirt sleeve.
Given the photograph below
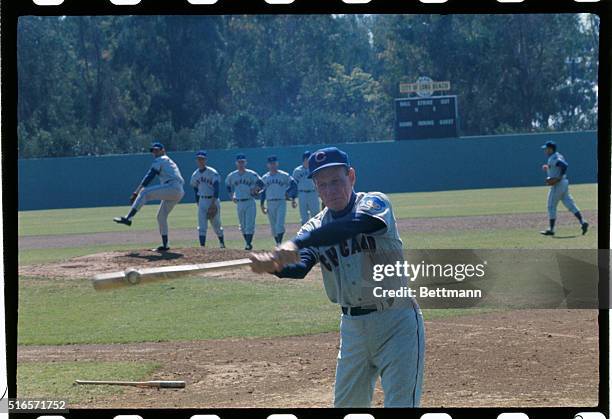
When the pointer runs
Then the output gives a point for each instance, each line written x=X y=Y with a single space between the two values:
x=563 y=166
x=216 y=189
x=149 y=177
x=336 y=232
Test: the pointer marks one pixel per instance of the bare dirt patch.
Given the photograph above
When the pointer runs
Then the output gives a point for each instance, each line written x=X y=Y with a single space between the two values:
x=87 y=266
x=527 y=358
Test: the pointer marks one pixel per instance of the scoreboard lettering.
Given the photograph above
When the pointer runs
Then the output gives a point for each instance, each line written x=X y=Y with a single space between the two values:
x=432 y=117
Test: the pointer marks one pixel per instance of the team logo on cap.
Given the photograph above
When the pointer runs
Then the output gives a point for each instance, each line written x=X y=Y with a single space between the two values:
x=320 y=156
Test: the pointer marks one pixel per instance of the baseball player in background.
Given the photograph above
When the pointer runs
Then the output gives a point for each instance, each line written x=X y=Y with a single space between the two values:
x=244 y=185
x=307 y=195
x=556 y=169
x=278 y=188
x=169 y=192
x=379 y=336
x=205 y=183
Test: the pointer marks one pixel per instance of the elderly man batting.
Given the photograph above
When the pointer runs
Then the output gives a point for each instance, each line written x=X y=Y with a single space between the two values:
x=379 y=336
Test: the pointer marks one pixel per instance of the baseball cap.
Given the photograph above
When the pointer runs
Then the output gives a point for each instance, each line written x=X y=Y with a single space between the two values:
x=202 y=153
x=272 y=159
x=326 y=157
x=157 y=146
x=240 y=157
x=305 y=155
x=550 y=144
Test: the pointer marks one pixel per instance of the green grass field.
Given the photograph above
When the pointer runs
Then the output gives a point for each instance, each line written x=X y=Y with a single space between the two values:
x=406 y=205
x=61 y=311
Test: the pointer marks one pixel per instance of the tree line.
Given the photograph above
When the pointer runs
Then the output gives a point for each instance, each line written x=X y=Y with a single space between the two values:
x=93 y=85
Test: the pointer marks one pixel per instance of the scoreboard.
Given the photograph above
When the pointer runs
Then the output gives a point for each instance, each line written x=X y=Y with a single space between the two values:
x=426 y=117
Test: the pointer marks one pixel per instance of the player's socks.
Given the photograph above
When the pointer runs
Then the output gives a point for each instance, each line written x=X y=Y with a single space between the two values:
x=222 y=242
x=202 y=240
x=579 y=216
x=164 y=240
x=280 y=237
x=131 y=214
x=552 y=224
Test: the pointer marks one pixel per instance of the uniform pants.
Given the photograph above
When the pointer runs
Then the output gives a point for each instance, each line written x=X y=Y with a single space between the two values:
x=309 y=205
x=203 y=205
x=247 y=211
x=169 y=195
x=560 y=192
x=389 y=343
x=277 y=210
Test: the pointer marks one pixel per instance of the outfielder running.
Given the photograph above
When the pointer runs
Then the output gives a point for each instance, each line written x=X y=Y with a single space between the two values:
x=555 y=170
x=205 y=183
x=278 y=187
x=307 y=194
x=169 y=191
x=244 y=185
x=379 y=336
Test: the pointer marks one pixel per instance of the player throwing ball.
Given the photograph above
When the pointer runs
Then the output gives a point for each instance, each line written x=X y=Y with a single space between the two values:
x=205 y=183
x=278 y=187
x=379 y=337
x=555 y=170
x=243 y=185
x=307 y=195
x=169 y=192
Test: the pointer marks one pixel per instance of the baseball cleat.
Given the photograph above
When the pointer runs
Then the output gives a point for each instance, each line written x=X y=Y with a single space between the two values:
x=547 y=233
x=248 y=247
x=123 y=220
x=222 y=246
x=585 y=228
x=161 y=249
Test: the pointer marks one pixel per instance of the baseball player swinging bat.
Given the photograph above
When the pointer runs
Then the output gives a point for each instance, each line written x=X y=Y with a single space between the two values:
x=154 y=384
x=134 y=276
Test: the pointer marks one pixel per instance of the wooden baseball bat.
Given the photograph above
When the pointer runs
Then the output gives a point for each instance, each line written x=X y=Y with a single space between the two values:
x=134 y=276
x=154 y=384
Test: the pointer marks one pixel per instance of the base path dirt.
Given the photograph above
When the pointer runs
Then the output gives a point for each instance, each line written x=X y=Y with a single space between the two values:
x=537 y=221
x=537 y=358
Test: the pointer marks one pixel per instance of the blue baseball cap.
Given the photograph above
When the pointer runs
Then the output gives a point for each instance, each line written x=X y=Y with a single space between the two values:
x=550 y=144
x=202 y=153
x=272 y=159
x=326 y=157
x=240 y=157
x=157 y=146
x=306 y=155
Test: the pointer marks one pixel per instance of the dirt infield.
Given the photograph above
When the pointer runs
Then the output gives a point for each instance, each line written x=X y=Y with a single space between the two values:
x=511 y=359
x=87 y=266
x=433 y=224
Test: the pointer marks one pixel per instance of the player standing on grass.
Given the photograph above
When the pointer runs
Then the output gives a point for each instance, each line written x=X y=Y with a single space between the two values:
x=555 y=170
x=205 y=182
x=243 y=185
x=379 y=336
x=169 y=192
x=307 y=195
x=278 y=188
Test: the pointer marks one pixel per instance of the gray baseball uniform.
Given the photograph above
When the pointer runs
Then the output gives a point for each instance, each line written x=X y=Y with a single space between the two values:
x=308 y=198
x=560 y=191
x=241 y=187
x=169 y=191
x=275 y=190
x=388 y=339
x=206 y=182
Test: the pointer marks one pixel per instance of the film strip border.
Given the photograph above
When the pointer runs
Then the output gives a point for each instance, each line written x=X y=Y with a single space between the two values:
x=603 y=8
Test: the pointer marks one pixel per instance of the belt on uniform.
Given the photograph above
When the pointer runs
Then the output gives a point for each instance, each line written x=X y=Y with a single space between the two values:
x=206 y=196
x=245 y=199
x=276 y=199
x=360 y=311
x=308 y=191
